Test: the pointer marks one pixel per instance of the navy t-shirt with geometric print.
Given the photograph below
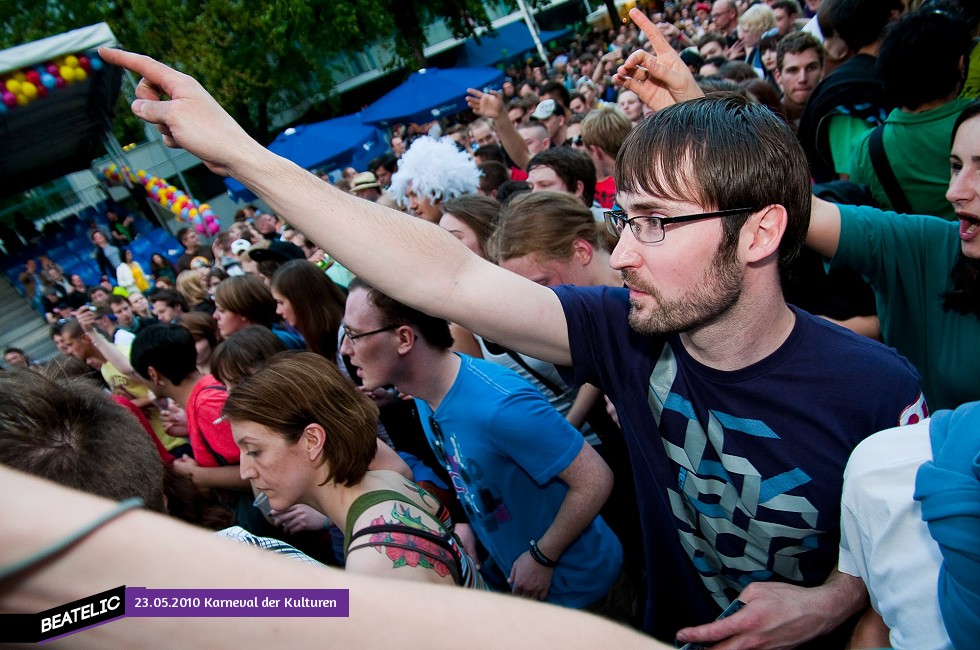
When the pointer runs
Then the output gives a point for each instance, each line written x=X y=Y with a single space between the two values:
x=738 y=473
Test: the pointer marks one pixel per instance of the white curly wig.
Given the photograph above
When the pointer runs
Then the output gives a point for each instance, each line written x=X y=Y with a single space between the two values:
x=437 y=170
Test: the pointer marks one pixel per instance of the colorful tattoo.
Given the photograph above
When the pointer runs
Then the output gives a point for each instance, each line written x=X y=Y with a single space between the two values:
x=405 y=549
x=426 y=496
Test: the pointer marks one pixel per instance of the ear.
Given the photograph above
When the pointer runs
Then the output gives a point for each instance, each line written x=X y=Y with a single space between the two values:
x=579 y=188
x=763 y=232
x=314 y=437
x=154 y=376
x=406 y=339
x=582 y=252
x=778 y=74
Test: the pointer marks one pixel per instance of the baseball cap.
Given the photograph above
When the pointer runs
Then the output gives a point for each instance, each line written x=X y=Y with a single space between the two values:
x=545 y=109
x=239 y=246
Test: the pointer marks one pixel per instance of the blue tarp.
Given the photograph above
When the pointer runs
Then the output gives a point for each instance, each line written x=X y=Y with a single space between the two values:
x=338 y=142
x=430 y=94
x=509 y=42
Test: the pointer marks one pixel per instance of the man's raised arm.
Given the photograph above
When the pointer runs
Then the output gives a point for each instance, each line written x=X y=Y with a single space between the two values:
x=415 y=262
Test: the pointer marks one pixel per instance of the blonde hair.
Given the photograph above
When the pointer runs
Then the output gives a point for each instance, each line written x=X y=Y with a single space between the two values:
x=546 y=224
x=757 y=19
x=189 y=285
x=606 y=127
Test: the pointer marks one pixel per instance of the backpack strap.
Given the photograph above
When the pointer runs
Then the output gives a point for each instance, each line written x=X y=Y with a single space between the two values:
x=884 y=172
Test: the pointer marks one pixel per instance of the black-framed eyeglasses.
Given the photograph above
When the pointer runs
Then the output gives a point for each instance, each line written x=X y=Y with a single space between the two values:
x=650 y=229
x=574 y=141
x=353 y=337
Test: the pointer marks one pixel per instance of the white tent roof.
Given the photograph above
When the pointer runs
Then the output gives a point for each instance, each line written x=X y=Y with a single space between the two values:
x=77 y=40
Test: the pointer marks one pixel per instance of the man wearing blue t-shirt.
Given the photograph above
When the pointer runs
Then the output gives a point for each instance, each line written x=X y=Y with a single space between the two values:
x=739 y=410
x=529 y=484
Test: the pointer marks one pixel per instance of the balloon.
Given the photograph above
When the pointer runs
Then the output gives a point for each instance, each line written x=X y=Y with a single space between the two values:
x=13 y=85
x=71 y=61
x=214 y=228
x=175 y=210
x=51 y=68
x=22 y=99
x=193 y=212
x=59 y=82
x=68 y=74
x=28 y=89
x=48 y=81
x=205 y=207
x=42 y=91
x=80 y=74
x=33 y=77
x=199 y=227
x=9 y=99
x=209 y=218
x=19 y=76
x=95 y=62
x=84 y=63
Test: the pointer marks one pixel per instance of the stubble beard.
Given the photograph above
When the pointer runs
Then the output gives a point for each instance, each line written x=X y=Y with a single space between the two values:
x=709 y=298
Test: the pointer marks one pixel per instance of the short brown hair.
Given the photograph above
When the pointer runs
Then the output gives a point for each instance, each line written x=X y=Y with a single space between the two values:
x=480 y=213
x=70 y=432
x=294 y=390
x=546 y=224
x=606 y=127
x=796 y=43
x=722 y=152
x=247 y=296
x=201 y=326
x=242 y=353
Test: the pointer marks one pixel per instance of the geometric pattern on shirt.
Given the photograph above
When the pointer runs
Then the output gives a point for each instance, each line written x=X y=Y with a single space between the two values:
x=725 y=505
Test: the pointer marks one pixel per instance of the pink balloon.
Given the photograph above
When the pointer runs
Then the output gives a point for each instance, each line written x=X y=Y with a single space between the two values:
x=214 y=228
x=199 y=227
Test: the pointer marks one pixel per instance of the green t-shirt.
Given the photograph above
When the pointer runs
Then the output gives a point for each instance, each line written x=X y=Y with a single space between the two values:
x=918 y=146
x=844 y=132
x=907 y=260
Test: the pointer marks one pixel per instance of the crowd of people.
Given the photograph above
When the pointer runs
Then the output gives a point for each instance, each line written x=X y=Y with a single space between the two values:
x=675 y=328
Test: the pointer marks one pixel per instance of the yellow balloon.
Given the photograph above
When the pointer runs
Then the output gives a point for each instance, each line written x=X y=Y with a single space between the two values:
x=19 y=76
x=13 y=86
x=28 y=89
x=80 y=74
x=68 y=74
x=71 y=61
x=22 y=99
x=175 y=209
x=192 y=213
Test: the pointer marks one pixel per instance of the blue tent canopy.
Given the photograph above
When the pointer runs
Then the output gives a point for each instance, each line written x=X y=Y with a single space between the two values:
x=338 y=142
x=507 y=43
x=430 y=94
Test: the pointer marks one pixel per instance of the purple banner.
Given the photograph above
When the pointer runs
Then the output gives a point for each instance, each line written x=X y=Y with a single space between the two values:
x=156 y=603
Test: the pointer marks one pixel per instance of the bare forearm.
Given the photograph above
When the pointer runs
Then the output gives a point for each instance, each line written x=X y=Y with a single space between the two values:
x=512 y=142
x=219 y=477
x=584 y=400
x=54 y=512
x=589 y=482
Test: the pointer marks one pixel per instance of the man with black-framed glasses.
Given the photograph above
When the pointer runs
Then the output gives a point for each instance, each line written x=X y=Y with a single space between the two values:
x=739 y=410
x=531 y=487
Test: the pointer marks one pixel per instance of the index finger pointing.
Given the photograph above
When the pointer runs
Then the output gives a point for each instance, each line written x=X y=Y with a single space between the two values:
x=158 y=75
x=660 y=44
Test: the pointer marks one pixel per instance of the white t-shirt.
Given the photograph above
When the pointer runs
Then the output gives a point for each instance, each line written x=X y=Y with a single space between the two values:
x=884 y=540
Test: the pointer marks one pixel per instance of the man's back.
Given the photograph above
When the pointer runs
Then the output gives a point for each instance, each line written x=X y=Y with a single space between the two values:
x=747 y=464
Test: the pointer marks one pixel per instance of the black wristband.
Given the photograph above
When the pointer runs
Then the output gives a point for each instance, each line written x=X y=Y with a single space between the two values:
x=540 y=557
